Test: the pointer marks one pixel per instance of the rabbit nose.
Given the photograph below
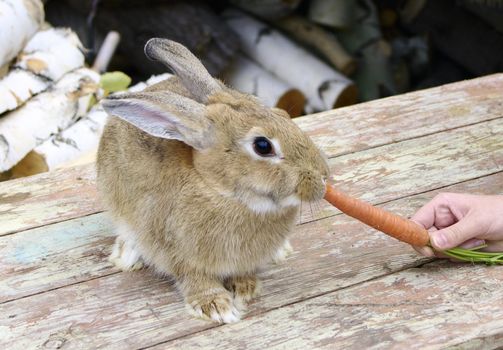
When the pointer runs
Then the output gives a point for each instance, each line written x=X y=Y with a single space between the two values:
x=311 y=186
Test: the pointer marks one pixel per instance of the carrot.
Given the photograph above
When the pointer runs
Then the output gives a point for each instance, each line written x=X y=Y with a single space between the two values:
x=400 y=228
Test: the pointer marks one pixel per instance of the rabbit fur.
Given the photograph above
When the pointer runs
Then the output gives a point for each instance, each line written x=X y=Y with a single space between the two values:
x=178 y=170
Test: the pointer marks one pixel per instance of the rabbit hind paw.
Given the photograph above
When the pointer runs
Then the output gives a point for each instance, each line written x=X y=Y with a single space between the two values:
x=217 y=306
x=125 y=256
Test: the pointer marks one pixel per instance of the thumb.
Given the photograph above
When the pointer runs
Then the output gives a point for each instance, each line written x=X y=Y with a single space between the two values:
x=455 y=234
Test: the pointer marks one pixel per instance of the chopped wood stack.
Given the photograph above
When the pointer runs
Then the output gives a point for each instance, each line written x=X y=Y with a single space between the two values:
x=302 y=56
x=45 y=89
x=46 y=93
x=289 y=65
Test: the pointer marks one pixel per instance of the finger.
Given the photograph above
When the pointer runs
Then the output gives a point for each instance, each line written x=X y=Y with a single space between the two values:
x=455 y=235
x=425 y=216
x=428 y=214
x=441 y=255
x=425 y=251
x=472 y=243
x=493 y=246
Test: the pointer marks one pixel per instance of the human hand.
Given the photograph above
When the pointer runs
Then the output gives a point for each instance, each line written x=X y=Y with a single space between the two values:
x=465 y=220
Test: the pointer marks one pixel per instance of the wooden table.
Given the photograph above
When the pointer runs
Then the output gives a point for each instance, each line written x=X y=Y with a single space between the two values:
x=345 y=286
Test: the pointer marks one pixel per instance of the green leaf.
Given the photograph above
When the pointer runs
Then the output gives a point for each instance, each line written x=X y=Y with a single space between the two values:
x=114 y=81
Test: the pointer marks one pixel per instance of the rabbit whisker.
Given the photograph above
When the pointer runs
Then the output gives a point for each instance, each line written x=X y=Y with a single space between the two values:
x=300 y=213
x=318 y=206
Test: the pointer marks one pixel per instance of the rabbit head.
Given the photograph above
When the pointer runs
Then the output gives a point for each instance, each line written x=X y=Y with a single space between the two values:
x=242 y=149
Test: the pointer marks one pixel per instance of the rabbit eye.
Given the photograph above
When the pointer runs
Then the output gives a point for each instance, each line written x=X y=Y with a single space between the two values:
x=263 y=147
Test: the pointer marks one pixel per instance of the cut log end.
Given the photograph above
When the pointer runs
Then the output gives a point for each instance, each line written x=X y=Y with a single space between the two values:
x=349 y=68
x=33 y=163
x=347 y=97
x=292 y=101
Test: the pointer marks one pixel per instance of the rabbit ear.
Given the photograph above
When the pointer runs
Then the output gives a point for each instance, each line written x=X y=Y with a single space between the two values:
x=165 y=115
x=185 y=65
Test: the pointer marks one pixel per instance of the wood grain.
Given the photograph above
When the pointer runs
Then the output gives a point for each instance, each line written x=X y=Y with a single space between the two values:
x=56 y=255
x=58 y=196
x=393 y=119
x=431 y=307
x=137 y=309
x=345 y=285
x=396 y=170
x=47 y=198
x=418 y=165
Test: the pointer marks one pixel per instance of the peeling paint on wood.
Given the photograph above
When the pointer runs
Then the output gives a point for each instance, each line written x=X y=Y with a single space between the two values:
x=402 y=117
x=431 y=307
x=337 y=132
x=137 y=309
x=402 y=169
x=345 y=286
x=55 y=255
x=47 y=198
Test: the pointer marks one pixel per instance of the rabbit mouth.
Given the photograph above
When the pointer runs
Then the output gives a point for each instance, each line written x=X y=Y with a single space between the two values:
x=267 y=204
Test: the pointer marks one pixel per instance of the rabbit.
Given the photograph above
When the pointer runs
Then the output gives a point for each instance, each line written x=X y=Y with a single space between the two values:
x=203 y=182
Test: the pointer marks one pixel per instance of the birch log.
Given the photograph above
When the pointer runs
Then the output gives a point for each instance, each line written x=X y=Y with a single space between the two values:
x=18 y=86
x=247 y=76
x=19 y=21
x=44 y=115
x=324 y=87
x=267 y=9
x=52 y=53
x=106 y=51
x=46 y=58
x=322 y=41
x=154 y=79
x=80 y=138
x=374 y=77
x=76 y=145
x=333 y=13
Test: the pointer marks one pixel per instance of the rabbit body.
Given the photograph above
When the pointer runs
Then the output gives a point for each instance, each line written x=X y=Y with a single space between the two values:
x=179 y=172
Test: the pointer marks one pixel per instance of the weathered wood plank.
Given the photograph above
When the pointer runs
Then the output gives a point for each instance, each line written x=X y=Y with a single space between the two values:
x=438 y=305
x=47 y=198
x=470 y=152
x=402 y=169
x=49 y=257
x=59 y=197
x=137 y=309
x=396 y=169
x=402 y=117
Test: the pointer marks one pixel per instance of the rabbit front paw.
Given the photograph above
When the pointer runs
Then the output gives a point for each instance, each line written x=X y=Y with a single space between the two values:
x=216 y=305
x=244 y=288
x=283 y=252
x=125 y=256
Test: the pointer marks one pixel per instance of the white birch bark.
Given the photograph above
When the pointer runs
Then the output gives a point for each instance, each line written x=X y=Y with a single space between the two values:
x=324 y=42
x=80 y=138
x=46 y=58
x=44 y=115
x=18 y=86
x=154 y=79
x=248 y=77
x=324 y=87
x=78 y=143
x=52 y=53
x=19 y=21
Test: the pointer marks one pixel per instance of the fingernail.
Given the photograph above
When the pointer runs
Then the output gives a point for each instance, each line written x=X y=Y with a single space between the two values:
x=478 y=243
x=439 y=240
x=473 y=244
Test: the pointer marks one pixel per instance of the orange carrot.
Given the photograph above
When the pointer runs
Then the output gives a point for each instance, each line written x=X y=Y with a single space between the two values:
x=400 y=228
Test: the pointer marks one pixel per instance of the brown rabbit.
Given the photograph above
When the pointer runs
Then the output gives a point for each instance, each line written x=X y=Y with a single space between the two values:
x=203 y=182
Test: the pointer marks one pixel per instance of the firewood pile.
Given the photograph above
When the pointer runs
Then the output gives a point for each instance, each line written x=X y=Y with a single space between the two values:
x=45 y=89
x=303 y=56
